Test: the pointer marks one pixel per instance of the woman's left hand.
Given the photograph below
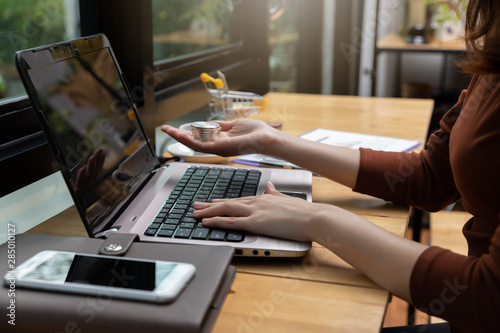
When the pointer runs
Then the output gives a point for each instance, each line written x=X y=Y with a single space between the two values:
x=273 y=214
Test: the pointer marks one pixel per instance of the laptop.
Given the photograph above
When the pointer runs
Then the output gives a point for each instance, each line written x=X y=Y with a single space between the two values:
x=117 y=182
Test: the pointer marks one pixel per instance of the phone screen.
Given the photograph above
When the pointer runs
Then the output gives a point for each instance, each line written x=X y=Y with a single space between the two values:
x=102 y=271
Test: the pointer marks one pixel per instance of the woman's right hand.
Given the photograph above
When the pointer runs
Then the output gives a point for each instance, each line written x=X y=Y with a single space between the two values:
x=239 y=137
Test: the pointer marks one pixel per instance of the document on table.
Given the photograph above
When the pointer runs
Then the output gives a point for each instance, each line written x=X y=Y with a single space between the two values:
x=335 y=138
x=356 y=140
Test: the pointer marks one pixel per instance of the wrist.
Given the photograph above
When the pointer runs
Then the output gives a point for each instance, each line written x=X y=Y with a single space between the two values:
x=277 y=140
x=331 y=225
x=319 y=230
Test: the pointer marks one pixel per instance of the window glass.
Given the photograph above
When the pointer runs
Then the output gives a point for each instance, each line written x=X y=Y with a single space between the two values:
x=30 y=23
x=188 y=27
x=284 y=37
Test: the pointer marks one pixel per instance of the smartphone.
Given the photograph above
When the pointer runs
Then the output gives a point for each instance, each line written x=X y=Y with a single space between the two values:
x=134 y=279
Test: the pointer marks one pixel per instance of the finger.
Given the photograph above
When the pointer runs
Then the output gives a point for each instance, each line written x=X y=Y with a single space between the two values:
x=198 y=205
x=243 y=200
x=81 y=176
x=225 y=125
x=92 y=166
x=175 y=132
x=187 y=139
x=228 y=222
x=96 y=162
x=166 y=129
x=270 y=188
x=184 y=137
x=227 y=208
x=202 y=205
x=101 y=159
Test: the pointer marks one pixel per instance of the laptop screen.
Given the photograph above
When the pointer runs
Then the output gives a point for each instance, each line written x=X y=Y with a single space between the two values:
x=100 y=145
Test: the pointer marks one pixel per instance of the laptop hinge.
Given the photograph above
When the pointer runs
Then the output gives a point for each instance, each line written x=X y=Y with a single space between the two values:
x=104 y=234
x=117 y=244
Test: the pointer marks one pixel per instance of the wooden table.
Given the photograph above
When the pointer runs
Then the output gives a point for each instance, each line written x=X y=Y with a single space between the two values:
x=393 y=42
x=319 y=292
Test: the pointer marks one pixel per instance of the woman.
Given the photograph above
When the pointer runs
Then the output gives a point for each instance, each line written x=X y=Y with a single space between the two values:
x=462 y=161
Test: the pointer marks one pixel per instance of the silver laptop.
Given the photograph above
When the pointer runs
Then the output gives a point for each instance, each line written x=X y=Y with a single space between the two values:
x=117 y=183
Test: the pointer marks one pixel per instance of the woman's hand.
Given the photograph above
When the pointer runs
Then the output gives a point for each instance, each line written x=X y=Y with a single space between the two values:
x=88 y=174
x=384 y=257
x=244 y=136
x=271 y=214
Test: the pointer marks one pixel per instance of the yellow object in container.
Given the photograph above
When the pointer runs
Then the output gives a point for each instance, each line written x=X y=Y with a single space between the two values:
x=227 y=104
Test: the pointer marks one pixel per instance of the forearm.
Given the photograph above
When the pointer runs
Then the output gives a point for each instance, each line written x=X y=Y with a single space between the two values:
x=337 y=163
x=385 y=258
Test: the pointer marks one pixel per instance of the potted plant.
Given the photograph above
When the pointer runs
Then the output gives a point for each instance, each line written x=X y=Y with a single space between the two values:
x=447 y=18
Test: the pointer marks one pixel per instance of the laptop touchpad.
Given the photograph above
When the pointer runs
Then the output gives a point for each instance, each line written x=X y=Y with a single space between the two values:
x=296 y=194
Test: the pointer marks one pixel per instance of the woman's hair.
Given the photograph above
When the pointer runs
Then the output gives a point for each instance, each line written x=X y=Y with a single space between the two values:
x=482 y=37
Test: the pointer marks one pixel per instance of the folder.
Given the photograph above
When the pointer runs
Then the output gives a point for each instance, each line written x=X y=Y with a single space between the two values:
x=195 y=310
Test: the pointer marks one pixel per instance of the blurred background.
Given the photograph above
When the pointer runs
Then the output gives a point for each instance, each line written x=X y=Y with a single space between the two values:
x=339 y=33
x=383 y=48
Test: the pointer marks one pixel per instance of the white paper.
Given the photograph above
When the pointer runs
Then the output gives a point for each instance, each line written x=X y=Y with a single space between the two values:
x=356 y=140
x=338 y=138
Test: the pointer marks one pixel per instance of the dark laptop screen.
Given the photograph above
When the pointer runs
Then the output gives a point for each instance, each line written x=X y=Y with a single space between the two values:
x=100 y=145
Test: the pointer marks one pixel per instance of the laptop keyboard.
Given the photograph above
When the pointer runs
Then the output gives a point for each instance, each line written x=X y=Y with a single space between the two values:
x=175 y=219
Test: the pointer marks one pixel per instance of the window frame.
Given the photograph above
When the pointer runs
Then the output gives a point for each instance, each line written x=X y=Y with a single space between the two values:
x=22 y=147
x=175 y=77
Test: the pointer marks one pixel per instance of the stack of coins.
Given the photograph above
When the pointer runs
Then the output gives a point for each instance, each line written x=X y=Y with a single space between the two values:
x=205 y=131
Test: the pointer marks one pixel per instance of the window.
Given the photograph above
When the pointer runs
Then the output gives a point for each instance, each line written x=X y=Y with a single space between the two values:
x=191 y=27
x=162 y=47
x=25 y=24
x=171 y=42
x=284 y=39
x=30 y=23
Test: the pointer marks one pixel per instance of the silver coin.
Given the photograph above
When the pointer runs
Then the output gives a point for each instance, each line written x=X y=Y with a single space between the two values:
x=205 y=131
x=205 y=125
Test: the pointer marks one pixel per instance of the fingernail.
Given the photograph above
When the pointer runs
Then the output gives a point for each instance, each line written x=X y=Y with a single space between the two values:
x=271 y=186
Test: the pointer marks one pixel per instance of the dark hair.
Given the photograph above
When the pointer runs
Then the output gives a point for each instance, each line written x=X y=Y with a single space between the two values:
x=482 y=37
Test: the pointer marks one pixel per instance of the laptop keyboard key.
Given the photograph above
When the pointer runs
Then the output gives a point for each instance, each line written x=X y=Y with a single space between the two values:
x=217 y=235
x=158 y=220
x=151 y=232
x=172 y=221
x=155 y=225
x=189 y=220
x=169 y=227
x=202 y=184
x=187 y=225
x=235 y=236
x=165 y=233
x=183 y=233
x=200 y=233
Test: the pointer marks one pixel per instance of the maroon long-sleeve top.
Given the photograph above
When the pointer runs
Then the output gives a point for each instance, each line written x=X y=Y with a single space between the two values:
x=462 y=160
